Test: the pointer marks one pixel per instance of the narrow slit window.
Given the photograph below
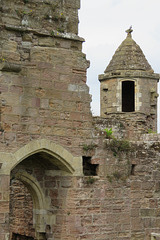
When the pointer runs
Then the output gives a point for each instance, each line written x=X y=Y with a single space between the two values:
x=133 y=169
x=128 y=96
x=105 y=100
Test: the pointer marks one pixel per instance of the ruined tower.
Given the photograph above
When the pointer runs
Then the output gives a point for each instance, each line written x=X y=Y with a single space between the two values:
x=45 y=111
x=61 y=178
x=129 y=86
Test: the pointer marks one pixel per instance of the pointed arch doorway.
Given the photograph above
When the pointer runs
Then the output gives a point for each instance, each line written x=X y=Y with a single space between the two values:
x=32 y=209
x=29 y=202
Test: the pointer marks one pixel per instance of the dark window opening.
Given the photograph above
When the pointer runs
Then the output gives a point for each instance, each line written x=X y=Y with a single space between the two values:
x=133 y=169
x=89 y=169
x=128 y=96
x=16 y=236
x=105 y=89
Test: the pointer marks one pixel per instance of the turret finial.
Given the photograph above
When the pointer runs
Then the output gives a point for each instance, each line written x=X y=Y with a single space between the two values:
x=129 y=31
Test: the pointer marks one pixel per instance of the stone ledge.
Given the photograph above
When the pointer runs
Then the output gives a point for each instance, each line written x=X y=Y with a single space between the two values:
x=121 y=115
x=125 y=74
x=10 y=67
x=54 y=33
x=151 y=137
x=155 y=236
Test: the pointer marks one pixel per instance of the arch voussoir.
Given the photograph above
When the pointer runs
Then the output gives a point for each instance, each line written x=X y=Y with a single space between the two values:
x=73 y=165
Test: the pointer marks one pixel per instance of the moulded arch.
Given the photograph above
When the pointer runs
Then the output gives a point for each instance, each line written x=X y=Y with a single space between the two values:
x=71 y=164
x=34 y=188
x=40 y=202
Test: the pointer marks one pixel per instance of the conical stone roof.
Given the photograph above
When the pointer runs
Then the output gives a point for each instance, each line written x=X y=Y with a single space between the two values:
x=128 y=56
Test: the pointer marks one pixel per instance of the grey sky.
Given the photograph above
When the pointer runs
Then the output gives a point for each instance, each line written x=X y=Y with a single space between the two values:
x=103 y=24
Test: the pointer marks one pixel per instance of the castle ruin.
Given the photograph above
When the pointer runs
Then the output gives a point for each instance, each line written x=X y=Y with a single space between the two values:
x=64 y=174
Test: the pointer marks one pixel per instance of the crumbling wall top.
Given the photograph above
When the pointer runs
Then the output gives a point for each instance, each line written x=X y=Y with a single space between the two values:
x=49 y=15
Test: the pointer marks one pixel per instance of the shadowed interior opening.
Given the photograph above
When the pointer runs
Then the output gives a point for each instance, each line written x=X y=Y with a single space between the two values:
x=21 y=237
x=89 y=169
x=128 y=96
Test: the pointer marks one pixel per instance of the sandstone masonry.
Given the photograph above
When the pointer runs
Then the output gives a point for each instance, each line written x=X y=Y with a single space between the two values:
x=62 y=176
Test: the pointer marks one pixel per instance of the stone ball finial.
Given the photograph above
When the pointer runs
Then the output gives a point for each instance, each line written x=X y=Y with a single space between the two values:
x=129 y=31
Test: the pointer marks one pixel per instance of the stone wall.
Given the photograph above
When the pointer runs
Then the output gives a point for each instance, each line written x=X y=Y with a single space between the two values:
x=43 y=91
x=47 y=132
x=48 y=15
x=127 y=125
x=21 y=210
x=145 y=94
x=121 y=202
x=43 y=76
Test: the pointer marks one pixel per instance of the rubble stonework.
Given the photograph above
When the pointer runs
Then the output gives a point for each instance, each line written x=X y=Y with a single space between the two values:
x=61 y=175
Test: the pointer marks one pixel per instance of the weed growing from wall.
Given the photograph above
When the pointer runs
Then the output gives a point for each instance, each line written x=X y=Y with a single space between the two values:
x=121 y=149
x=119 y=145
x=149 y=131
x=89 y=147
x=108 y=132
x=90 y=180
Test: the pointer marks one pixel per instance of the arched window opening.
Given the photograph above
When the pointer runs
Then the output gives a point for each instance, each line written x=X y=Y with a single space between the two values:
x=128 y=96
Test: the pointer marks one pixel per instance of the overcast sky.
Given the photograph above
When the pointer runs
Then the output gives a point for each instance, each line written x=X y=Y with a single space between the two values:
x=103 y=24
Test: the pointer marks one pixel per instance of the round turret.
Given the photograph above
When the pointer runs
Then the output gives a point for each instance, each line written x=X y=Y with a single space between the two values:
x=129 y=84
